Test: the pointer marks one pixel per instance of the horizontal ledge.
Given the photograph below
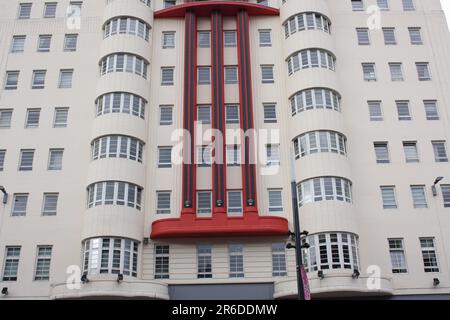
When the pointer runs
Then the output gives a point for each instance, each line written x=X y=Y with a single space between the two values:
x=227 y=8
x=219 y=225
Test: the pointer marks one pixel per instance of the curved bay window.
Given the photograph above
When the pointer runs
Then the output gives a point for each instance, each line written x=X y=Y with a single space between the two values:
x=318 y=142
x=315 y=98
x=124 y=62
x=120 y=102
x=324 y=189
x=116 y=146
x=306 y=21
x=127 y=25
x=114 y=193
x=334 y=250
x=110 y=256
x=310 y=58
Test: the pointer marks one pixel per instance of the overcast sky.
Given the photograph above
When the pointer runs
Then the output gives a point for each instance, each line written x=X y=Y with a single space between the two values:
x=446 y=7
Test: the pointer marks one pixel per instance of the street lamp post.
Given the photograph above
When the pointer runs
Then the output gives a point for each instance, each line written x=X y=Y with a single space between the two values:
x=297 y=232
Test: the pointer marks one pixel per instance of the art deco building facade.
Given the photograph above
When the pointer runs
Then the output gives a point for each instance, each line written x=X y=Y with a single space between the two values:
x=101 y=99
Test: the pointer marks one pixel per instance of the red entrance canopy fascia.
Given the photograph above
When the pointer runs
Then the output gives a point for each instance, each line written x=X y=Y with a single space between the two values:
x=219 y=225
x=227 y=8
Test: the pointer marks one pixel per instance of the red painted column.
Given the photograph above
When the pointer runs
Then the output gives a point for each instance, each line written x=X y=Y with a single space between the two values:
x=218 y=114
x=189 y=114
x=246 y=110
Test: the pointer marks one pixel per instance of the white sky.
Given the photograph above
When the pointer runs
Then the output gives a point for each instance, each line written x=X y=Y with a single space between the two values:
x=446 y=7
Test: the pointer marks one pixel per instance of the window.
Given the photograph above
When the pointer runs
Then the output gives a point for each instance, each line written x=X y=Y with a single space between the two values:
x=19 y=207
x=43 y=259
x=423 y=71
x=204 y=202
x=50 y=204
x=65 y=78
x=164 y=157
x=26 y=160
x=12 y=78
x=446 y=195
x=114 y=193
x=418 y=196
x=5 y=118
x=310 y=58
x=55 y=159
x=408 y=5
x=279 y=267
x=168 y=39
x=375 y=112
x=204 y=156
x=381 y=152
x=324 y=189
x=32 y=119
x=230 y=39
x=18 y=44
x=11 y=264
x=429 y=255
x=204 y=39
x=231 y=114
x=233 y=155
x=265 y=39
x=397 y=253
x=169 y=3
x=306 y=21
x=70 y=42
x=415 y=36
x=319 y=141
x=60 y=118
x=204 y=114
x=383 y=5
x=38 y=81
x=204 y=75
x=162 y=254
x=124 y=62
x=440 y=151
x=50 y=9
x=396 y=71
x=369 y=72
x=44 y=43
x=110 y=256
x=163 y=202
x=76 y=4
x=388 y=196
x=270 y=113
x=389 y=36
x=363 y=36
x=267 y=74
x=165 y=115
x=317 y=98
x=167 y=74
x=117 y=147
x=411 y=153
x=357 y=5
x=2 y=158
x=273 y=154
x=204 y=261
x=403 y=110
x=234 y=202
x=431 y=109
x=121 y=102
x=331 y=251
x=236 y=255
x=231 y=75
x=127 y=25
x=275 y=200
x=25 y=10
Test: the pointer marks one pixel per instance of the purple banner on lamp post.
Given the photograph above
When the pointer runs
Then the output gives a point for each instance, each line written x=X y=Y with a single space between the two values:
x=306 y=290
